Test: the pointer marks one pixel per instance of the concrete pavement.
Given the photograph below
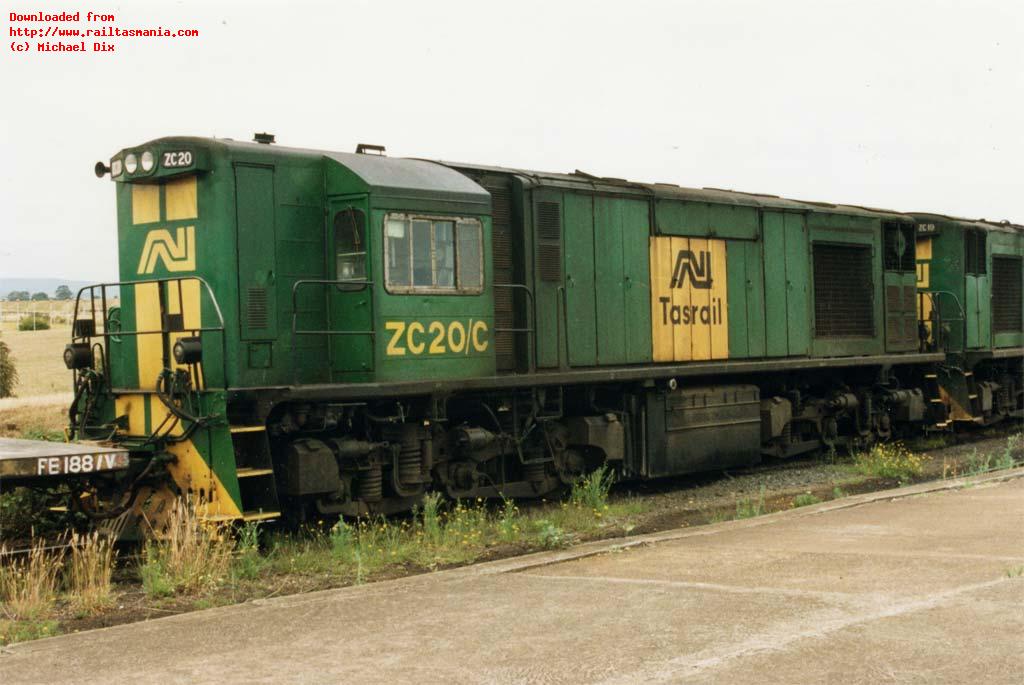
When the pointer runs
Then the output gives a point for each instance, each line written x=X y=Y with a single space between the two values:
x=920 y=585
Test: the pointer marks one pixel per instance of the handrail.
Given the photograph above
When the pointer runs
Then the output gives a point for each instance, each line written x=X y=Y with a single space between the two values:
x=564 y=335
x=531 y=361
x=295 y=314
x=163 y=330
x=935 y=296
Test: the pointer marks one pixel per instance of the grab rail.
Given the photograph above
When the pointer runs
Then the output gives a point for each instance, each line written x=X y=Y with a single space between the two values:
x=164 y=329
x=531 y=352
x=329 y=332
x=937 y=320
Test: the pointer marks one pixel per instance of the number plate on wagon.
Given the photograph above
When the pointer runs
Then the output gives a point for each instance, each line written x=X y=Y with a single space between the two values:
x=37 y=458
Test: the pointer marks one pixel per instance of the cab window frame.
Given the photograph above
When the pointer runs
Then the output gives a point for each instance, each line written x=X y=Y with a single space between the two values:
x=458 y=223
x=363 y=256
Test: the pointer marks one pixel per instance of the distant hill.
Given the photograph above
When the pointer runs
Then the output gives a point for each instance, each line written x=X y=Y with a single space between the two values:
x=43 y=285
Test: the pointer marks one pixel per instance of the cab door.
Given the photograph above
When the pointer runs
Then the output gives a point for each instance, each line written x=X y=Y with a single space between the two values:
x=350 y=300
x=900 y=276
x=977 y=301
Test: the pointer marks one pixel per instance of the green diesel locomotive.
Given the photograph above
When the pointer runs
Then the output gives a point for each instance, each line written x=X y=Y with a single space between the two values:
x=307 y=331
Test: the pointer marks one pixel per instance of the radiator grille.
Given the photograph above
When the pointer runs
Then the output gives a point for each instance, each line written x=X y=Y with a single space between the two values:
x=256 y=308
x=843 y=291
x=549 y=241
x=1006 y=294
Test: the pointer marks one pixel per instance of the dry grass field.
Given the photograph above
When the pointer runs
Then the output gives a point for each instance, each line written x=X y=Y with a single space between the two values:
x=37 y=355
x=44 y=387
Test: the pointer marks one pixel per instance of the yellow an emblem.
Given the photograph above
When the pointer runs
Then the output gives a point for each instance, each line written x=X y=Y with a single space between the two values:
x=178 y=252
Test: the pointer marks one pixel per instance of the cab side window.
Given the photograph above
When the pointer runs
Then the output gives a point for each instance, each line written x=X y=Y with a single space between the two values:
x=350 y=248
x=433 y=254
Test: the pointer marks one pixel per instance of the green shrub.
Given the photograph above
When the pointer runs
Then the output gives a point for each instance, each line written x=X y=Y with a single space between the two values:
x=8 y=373
x=804 y=500
x=34 y=322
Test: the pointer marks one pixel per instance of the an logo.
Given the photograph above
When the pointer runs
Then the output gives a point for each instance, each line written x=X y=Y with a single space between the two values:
x=698 y=270
x=178 y=252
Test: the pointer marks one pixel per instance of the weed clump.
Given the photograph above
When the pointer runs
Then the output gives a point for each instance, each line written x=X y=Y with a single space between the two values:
x=751 y=507
x=889 y=460
x=805 y=499
x=591 y=491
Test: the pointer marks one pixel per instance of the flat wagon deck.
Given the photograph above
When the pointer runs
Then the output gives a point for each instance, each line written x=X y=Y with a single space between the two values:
x=39 y=459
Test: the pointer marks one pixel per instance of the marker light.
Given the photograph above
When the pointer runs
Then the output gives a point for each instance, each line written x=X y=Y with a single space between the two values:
x=131 y=163
x=147 y=161
x=115 y=168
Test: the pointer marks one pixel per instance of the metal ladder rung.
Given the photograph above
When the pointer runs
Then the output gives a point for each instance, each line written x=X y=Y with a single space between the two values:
x=260 y=515
x=247 y=429
x=251 y=473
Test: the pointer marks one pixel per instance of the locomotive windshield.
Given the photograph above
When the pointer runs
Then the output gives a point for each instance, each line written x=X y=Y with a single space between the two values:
x=433 y=254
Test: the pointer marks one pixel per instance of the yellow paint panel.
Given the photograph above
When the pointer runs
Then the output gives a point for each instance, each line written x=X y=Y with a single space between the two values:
x=682 y=339
x=719 y=300
x=701 y=298
x=184 y=300
x=661 y=271
x=134 y=407
x=924 y=248
x=180 y=199
x=145 y=203
x=149 y=346
x=192 y=474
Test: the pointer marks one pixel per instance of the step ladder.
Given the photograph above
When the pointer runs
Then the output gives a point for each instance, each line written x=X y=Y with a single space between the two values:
x=938 y=409
x=255 y=472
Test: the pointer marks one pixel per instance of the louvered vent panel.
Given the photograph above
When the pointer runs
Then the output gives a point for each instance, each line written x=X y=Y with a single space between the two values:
x=549 y=237
x=910 y=313
x=1006 y=294
x=842 y=291
x=503 y=260
x=256 y=308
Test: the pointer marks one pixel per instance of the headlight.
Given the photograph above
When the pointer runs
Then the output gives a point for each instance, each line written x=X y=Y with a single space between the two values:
x=115 y=168
x=188 y=351
x=131 y=163
x=147 y=161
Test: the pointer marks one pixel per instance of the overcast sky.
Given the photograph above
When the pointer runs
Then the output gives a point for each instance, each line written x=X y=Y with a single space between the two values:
x=904 y=105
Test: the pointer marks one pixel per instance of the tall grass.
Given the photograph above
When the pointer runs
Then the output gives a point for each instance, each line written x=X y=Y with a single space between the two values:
x=28 y=584
x=188 y=555
x=89 y=572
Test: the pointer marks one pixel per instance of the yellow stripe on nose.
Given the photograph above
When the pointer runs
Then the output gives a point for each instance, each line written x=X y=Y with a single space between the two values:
x=145 y=203
x=180 y=199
